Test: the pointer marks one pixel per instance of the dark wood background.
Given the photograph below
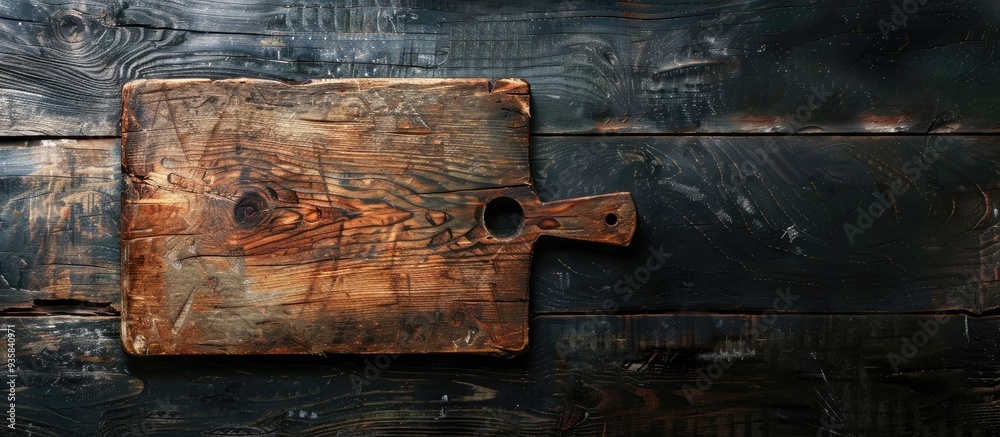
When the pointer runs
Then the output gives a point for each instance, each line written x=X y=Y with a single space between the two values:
x=749 y=133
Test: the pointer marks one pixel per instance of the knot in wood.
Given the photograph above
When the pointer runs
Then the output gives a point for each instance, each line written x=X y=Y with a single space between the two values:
x=250 y=210
x=69 y=26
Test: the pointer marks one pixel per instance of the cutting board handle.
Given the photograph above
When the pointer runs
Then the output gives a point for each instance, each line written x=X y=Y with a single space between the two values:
x=606 y=218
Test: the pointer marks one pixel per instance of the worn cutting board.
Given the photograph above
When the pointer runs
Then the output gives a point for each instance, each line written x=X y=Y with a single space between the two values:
x=335 y=216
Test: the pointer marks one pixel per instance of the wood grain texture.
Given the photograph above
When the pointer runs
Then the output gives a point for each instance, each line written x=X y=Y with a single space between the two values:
x=584 y=375
x=750 y=226
x=254 y=210
x=632 y=67
x=59 y=212
x=939 y=237
x=849 y=223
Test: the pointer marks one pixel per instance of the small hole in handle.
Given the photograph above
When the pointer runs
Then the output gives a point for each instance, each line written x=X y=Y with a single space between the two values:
x=611 y=219
x=503 y=217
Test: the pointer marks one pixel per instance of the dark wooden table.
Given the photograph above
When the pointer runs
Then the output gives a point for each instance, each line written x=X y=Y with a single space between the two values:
x=816 y=184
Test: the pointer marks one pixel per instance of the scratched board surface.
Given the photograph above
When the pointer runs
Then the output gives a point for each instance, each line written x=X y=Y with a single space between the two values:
x=254 y=209
x=841 y=281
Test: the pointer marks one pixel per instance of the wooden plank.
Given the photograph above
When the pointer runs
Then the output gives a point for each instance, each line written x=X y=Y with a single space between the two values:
x=756 y=66
x=59 y=208
x=912 y=258
x=848 y=223
x=253 y=210
x=586 y=375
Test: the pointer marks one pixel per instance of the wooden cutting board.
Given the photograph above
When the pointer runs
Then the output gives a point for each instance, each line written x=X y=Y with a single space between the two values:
x=335 y=216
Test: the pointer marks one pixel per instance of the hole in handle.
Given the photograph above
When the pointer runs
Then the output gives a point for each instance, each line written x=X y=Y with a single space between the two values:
x=611 y=219
x=503 y=217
